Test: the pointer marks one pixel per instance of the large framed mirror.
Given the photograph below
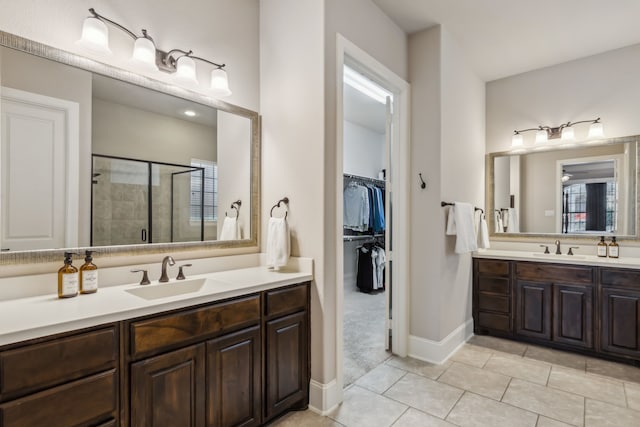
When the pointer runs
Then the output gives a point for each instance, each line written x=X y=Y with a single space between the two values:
x=580 y=190
x=95 y=156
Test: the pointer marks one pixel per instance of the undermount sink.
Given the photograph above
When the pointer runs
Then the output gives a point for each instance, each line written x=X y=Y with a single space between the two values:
x=554 y=256
x=169 y=289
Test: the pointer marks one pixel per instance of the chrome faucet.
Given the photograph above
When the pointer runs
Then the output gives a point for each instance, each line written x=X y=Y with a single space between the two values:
x=165 y=260
x=557 y=243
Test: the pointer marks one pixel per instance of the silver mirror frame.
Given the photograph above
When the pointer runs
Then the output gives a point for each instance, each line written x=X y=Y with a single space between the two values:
x=531 y=237
x=52 y=255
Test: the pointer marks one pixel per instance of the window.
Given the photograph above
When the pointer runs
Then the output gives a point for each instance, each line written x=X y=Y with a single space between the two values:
x=210 y=190
x=575 y=200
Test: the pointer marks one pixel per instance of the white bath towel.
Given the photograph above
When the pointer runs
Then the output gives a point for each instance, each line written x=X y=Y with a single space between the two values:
x=278 y=243
x=483 y=233
x=499 y=227
x=514 y=225
x=461 y=224
x=230 y=229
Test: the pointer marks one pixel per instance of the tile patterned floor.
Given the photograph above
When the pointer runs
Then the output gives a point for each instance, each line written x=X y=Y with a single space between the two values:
x=489 y=382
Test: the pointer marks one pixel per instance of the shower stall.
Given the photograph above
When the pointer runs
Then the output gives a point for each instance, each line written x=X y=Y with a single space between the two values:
x=138 y=201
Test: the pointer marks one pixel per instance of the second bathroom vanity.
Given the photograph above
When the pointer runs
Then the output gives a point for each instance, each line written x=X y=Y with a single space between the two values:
x=586 y=305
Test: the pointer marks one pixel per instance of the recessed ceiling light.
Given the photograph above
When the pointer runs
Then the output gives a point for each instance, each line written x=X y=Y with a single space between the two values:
x=190 y=113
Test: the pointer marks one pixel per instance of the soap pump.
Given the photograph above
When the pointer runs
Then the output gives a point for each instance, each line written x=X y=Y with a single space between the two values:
x=614 y=248
x=67 y=278
x=88 y=275
x=602 y=247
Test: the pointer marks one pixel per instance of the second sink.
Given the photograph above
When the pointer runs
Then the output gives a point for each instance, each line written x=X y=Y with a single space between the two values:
x=165 y=290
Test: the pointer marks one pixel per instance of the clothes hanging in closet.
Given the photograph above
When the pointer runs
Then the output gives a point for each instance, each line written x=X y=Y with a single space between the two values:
x=371 y=262
x=363 y=208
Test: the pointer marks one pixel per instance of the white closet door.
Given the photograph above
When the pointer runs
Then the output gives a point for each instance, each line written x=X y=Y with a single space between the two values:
x=36 y=164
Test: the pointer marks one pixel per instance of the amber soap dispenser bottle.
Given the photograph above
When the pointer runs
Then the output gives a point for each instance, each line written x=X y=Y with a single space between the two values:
x=67 y=278
x=88 y=275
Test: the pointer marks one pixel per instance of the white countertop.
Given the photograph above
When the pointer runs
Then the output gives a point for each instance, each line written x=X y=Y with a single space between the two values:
x=623 y=262
x=37 y=316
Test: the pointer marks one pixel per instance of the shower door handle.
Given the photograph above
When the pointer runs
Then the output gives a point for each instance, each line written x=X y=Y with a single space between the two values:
x=144 y=234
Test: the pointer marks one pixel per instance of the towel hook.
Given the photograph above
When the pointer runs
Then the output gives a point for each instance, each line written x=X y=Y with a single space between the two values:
x=235 y=205
x=423 y=184
x=284 y=200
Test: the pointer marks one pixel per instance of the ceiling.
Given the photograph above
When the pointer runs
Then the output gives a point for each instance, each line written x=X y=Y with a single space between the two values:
x=507 y=37
x=363 y=110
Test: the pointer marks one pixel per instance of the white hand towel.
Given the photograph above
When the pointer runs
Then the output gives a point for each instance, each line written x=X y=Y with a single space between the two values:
x=230 y=229
x=483 y=233
x=278 y=243
x=499 y=228
x=451 y=222
x=514 y=224
x=466 y=240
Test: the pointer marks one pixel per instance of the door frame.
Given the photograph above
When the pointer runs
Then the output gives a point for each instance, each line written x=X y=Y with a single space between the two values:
x=399 y=178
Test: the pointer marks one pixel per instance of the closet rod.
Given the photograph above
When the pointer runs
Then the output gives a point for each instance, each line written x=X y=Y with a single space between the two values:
x=443 y=204
x=362 y=237
x=378 y=182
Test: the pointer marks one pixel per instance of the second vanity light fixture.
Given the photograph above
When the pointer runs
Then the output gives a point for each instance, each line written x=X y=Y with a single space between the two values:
x=563 y=132
x=147 y=57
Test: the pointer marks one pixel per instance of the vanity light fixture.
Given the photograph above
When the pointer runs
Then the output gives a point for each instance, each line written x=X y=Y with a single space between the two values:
x=146 y=56
x=564 y=132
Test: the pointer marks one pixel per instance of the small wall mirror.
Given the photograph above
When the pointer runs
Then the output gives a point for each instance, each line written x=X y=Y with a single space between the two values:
x=582 y=190
x=93 y=156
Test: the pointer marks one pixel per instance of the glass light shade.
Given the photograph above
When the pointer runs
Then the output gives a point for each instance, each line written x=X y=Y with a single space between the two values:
x=568 y=134
x=219 y=83
x=186 y=71
x=596 y=130
x=541 y=136
x=144 y=55
x=517 y=140
x=95 y=36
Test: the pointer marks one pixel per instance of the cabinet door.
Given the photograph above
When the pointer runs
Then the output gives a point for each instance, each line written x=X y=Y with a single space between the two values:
x=573 y=315
x=233 y=379
x=621 y=321
x=533 y=309
x=287 y=381
x=169 y=390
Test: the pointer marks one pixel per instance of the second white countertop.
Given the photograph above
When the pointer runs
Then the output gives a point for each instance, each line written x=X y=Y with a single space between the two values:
x=624 y=262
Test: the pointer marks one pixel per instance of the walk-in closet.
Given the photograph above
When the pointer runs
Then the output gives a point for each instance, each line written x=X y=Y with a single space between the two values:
x=364 y=226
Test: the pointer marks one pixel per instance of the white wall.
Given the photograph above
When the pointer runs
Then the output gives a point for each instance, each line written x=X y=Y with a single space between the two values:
x=604 y=85
x=223 y=31
x=363 y=151
x=447 y=135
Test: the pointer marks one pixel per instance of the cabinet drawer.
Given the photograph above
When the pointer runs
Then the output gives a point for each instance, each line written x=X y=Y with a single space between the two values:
x=618 y=277
x=498 y=268
x=494 y=285
x=554 y=273
x=38 y=366
x=499 y=322
x=191 y=326
x=88 y=401
x=284 y=301
x=493 y=303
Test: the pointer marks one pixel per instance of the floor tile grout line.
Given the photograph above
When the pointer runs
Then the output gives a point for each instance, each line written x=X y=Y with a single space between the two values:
x=455 y=404
x=401 y=415
x=505 y=389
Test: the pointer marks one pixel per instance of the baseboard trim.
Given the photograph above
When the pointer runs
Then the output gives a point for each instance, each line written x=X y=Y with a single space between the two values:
x=439 y=351
x=323 y=398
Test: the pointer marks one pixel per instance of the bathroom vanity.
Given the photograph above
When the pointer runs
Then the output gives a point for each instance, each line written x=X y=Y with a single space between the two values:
x=232 y=353
x=586 y=305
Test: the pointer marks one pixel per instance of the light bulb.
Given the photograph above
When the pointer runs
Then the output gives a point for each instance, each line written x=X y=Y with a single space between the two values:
x=144 y=55
x=186 y=71
x=567 y=134
x=95 y=36
x=541 y=136
x=596 y=130
x=517 y=140
x=219 y=83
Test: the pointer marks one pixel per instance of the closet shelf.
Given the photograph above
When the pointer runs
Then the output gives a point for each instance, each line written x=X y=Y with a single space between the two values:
x=378 y=182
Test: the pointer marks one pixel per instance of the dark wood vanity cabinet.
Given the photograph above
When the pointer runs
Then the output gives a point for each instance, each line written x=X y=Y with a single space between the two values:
x=591 y=309
x=65 y=380
x=492 y=296
x=236 y=363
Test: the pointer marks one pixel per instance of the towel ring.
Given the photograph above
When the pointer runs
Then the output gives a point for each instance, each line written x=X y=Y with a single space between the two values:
x=235 y=205
x=284 y=200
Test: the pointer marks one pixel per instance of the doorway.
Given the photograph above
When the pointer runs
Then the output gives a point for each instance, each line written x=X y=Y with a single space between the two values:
x=372 y=158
